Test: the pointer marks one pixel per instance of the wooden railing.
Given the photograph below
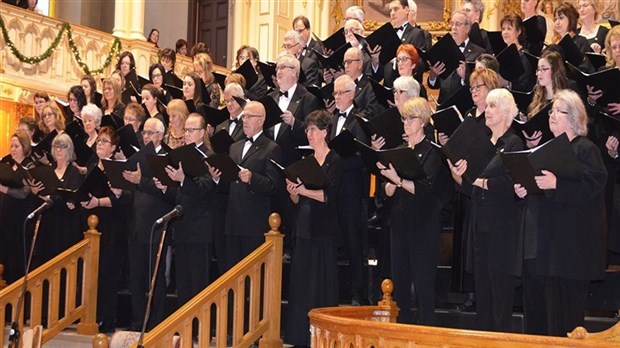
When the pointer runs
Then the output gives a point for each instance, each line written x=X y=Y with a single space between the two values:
x=261 y=274
x=84 y=255
x=375 y=326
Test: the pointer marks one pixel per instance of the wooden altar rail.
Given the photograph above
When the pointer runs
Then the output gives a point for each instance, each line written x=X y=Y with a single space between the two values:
x=87 y=251
x=263 y=269
x=374 y=326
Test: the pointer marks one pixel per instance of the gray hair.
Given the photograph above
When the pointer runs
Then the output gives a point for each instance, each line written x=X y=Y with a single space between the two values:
x=234 y=89
x=346 y=80
x=464 y=14
x=356 y=51
x=64 y=140
x=356 y=12
x=412 y=6
x=293 y=35
x=93 y=112
x=290 y=59
x=505 y=102
x=478 y=6
x=577 y=116
x=159 y=125
x=409 y=85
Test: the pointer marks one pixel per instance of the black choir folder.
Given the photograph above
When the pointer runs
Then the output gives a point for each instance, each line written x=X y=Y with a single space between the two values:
x=114 y=170
x=386 y=37
x=9 y=177
x=387 y=124
x=383 y=94
x=221 y=141
x=403 y=160
x=307 y=170
x=606 y=80
x=538 y=122
x=470 y=142
x=128 y=140
x=343 y=144
x=95 y=183
x=446 y=51
x=510 y=65
x=190 y=157
x=333 y=42
x=47 y=176
x=447 y=120
x=226 y=165
x=556 y=156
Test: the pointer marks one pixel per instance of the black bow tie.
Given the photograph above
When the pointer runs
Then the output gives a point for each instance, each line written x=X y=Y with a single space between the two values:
x=342 y=114
x=357 y=81
x=462 y=45
x=250 y=139
x=402 y=27
x=285 y=94
x=233 y=120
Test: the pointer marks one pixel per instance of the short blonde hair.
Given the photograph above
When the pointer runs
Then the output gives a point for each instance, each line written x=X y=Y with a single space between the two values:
x=505 y=102
x=417 y=107
x=178 y=105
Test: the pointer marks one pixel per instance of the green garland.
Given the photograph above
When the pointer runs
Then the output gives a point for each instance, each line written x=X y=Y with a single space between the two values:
x=114 y=51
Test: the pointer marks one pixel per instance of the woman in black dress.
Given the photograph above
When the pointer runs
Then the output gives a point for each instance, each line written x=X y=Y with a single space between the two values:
x=15 y=204
x=314 y=268
x=60 y=227
x=565 y=249
x=494 y=219
x=593 y=32
x=414 y=219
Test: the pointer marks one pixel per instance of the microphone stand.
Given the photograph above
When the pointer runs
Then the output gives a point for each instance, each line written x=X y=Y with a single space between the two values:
x=14 y=334
x=149 y=300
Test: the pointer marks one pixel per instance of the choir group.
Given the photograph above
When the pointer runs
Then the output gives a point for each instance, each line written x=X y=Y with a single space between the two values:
x=522 y=148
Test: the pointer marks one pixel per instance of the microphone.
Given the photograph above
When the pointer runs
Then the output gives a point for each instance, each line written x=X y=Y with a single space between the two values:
x=43 y=207
x=177 y=211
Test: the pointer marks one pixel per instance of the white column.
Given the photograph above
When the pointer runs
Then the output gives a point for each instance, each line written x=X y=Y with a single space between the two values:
x=120 y=19
x=136 y=20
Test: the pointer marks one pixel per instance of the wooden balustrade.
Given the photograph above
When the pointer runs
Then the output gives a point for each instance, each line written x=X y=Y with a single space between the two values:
x=84 y=254
x=375 y=326
x=261 y=274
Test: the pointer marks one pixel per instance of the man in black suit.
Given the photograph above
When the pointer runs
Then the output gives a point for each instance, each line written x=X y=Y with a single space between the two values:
x=296 y=102
x=365 y=99
x=458 y=78
x=149 y=204
x=301 y=24
x=234 y=124
x=475 y=10
x=293 y=45
x=193 y=232
x=355 y=188
x=249 y=205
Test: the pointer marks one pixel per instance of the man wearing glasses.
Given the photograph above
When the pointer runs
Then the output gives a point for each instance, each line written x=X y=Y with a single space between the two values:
x=293 y=45
x=461 y=25
x=365 y=99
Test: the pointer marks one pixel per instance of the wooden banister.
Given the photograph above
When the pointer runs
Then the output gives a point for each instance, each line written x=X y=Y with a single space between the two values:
x=374 y=326
x=86 y=250
x=263 y=268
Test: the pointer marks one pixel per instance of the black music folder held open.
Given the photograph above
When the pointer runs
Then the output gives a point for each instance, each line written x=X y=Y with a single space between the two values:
x=461 y=99
x=344 y=144
x=95 y=183
x=606 y=81
x=510 y=65
x=447 y=120
x=128 y=140
x=388 y=125
x=556 y=156
x=45 y=145
x=114 y=171
x=191 y=158
x=383 y=94
x=226 y=165
x=272 y=110
x=470 y=142
x=47 y=176
x=403 y=160
x=9 y=177
x=333 y=42
x=221 y=141
x=538 y=122
x=247 y=71
x=307 y=170
x=446 y=51
x=334 y=60
x=158 y=164
x=386 y=37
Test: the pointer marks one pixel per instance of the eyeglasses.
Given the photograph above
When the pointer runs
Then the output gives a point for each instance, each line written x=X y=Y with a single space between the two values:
x=103 y=141
x=457 y=24
x=149 y=133
x=311 y=129
x=349 y=61
x=543 y=69
x=476 y=87
x=402 y=59
x=408 y=119
x=339 y=93
x=191 y=130
x=398 y=91
x=72 y=99
x=156 y=75
x=351 y=31
x=244 y=116
x=129 y=119
x=556 y=111
x=229 y=101
x=60 y=146
x=288 y=47
x=282 y=67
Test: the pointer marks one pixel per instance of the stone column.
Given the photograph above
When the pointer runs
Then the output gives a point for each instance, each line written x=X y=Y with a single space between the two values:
x=136 y=20
x=121 y=16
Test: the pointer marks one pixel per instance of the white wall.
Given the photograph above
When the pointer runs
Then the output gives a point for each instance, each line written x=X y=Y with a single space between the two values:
x=170 y=17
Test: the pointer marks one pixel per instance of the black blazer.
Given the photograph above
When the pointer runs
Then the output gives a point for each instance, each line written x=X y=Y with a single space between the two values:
x=196 y=195
x=237 y=133
x=249 y=205
x=310 y=67
x=452 y=83
x=365 y=100
x=302 y=103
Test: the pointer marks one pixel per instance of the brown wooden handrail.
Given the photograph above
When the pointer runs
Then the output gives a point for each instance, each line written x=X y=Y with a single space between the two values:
x=375 y=326
x=86 y=250
x=263 y=268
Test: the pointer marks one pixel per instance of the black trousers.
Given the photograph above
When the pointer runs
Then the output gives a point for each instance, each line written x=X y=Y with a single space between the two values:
x=238 y=247
x=350 y=215
x=494 y=299
x=552 y=306
x=192 y=269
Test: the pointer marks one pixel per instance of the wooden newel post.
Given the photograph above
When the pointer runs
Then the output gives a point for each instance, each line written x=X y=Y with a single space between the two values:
x=388 y=310
x=88 y=324
x=273 y=290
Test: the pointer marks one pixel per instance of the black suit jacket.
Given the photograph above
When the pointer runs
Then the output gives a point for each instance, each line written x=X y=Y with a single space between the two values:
x=310 y=67
x=365 y=99
x=302 y=103
x=196 y=195
x=237 y=133
x=452 y=83
x=249 y=205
